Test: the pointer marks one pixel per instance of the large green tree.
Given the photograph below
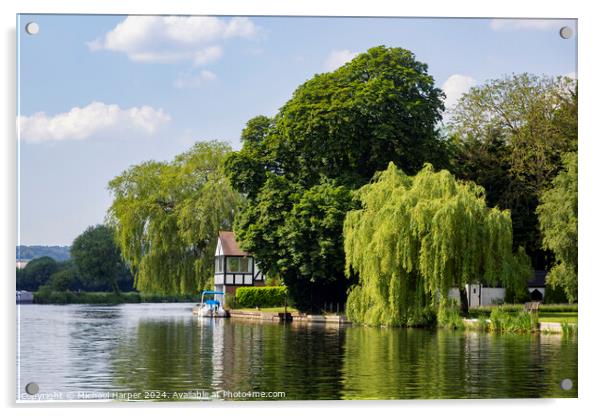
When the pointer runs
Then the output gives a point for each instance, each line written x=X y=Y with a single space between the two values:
x=558 y=221
x=415 y=238
x=36 y=273
x=167 y=216
x=509 y=136
x=336 y=131
x=97 y=258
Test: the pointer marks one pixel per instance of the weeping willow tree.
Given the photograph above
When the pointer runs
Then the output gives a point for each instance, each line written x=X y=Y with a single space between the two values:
x=415 y=238
x=167 y=217
x=558 y=221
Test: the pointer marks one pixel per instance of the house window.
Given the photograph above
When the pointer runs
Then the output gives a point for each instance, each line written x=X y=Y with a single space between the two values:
x=240 y=265
x=219 y=264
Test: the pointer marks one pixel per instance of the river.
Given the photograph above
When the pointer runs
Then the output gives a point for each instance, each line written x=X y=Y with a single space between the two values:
x=162 y=352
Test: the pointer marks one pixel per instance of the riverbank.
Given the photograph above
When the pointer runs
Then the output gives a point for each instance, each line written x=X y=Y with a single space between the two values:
x=106 y=298
x=504 y=320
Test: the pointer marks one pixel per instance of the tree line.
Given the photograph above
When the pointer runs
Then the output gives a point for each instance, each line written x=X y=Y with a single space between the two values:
x=357 y=169
x=96 y=265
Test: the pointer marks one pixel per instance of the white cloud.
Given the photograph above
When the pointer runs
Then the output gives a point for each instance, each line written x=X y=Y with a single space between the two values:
x=338 y=58
x=455 y=86
x=194 y=80
x=527 y=24
x=165 y=39
x=85 y=122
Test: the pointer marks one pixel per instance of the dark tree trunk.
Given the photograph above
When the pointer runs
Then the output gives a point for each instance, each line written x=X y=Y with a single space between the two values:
x=115 y=287
x=463 y=302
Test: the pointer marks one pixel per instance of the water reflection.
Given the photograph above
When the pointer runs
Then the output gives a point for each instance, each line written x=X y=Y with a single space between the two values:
x=142 y=348
x=418 y=364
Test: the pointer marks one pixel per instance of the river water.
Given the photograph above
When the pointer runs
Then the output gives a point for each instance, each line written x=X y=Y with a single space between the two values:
x=162 y=352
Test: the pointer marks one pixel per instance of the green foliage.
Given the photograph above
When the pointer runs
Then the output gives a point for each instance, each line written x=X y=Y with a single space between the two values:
x=298 y=168
x=568 y=330
x=485 y=311
x=98 y=258
x=516 y=289
x=558 y=221
x=47 y=295
x=417 y=237
x=503 y=321
x=450 y=318
x=554 y=295
x=510 y=135
x=304 y=228
x=36 y=273
x=263 y=297
x=167 y=217
x=67 y=278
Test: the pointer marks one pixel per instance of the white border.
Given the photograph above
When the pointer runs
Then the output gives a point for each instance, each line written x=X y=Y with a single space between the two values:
x=589 y=73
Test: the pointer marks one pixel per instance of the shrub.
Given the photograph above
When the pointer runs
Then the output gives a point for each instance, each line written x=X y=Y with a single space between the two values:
x=504 y=321
x=450 y=318
x=263 y=297
x=568 y=330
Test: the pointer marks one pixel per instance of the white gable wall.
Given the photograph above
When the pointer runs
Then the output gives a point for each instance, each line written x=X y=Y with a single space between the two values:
x=218 y=249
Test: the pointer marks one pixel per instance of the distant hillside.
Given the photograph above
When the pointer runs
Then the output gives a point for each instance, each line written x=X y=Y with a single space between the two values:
x=59 y=253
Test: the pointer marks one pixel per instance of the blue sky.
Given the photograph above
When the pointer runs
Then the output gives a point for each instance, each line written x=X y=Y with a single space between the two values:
x=98 y=94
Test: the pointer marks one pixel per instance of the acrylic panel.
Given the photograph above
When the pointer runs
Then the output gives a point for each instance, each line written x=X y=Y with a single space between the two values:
x=296 y=208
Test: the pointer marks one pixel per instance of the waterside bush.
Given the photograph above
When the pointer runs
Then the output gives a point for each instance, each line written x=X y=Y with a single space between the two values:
x=503 y=321
x=450 y=318
x=262 y=297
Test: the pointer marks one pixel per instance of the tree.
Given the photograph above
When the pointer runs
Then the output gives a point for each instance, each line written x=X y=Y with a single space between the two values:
x=305 y=228
x=97 y=257
x=414 y=238
x=167 y=217
x=66 y=278
x=510 y=135
x=36 y=273
x=558 y=221
x=336 y=131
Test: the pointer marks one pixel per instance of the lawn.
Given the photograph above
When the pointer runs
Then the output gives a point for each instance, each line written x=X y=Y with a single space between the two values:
x=568 y=317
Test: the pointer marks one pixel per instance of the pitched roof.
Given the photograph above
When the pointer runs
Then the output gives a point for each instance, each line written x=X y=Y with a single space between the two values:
x=229 y=245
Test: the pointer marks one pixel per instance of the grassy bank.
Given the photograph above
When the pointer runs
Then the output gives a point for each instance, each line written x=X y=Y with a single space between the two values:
x=485 y=311
x=567 y=317
x=107 y=298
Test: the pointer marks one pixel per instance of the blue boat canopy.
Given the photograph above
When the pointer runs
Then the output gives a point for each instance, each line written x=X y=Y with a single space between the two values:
x=212 y=302
x=211 y=292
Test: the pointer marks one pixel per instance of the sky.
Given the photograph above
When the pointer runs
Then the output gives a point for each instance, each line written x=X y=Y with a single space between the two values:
x=98 y=94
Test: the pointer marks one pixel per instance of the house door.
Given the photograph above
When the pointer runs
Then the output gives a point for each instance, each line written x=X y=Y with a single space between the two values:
x=474 y=295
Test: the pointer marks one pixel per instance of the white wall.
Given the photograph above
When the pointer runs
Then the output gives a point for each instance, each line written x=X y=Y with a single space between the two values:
x=489 y=295
x=492 y=296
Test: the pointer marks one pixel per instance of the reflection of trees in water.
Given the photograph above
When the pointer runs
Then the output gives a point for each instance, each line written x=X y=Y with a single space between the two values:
x=397 y=364
x=215 y=355
x=172 y=356
x=301 y=360
x=321 y=362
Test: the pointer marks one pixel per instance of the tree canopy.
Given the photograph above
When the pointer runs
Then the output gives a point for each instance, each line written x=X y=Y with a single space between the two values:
x=335 y=132
x=167 y=216
x=558 y=221
x=97 y=258
x=510 y=135
x=36 y=273
x=414 y=238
